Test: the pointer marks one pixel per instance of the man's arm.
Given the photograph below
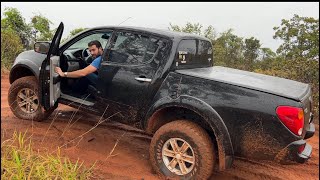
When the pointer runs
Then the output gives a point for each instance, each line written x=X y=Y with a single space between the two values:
x=76 y=74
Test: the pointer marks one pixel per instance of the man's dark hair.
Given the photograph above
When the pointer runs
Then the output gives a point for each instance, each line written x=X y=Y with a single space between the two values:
x=95 y=42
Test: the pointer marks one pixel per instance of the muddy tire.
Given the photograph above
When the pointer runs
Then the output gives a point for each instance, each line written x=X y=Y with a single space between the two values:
x=24 y=101
x=182 y=149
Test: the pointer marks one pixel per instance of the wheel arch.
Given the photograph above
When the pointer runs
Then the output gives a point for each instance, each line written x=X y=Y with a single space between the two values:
x=19 y=71
x=197 y=111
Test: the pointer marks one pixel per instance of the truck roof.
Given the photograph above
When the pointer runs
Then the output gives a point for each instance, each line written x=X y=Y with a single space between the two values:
x=163 y=32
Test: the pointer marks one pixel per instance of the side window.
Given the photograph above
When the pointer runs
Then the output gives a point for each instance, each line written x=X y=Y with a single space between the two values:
x=205 y=52
x=204 y=48
x=186 y=51
x=194 y=53
x=133 y=48
x=102 y=37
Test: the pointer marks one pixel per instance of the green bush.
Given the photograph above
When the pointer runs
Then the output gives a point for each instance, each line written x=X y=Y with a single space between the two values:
x=11 y=46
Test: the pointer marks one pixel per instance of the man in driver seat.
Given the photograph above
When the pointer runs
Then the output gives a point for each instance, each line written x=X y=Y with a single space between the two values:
x=88 y=72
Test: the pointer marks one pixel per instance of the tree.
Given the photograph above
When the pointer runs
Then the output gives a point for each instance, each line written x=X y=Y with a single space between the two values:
x=267 y=53
x=76 y=31
x=11 y=46
x=73 y=32
x=189 y=28
x=210 y=33
x=300 y=36
x=195 y=28
x=41 y=25
x=227 y=50
x=13 y=20
x=251 y=52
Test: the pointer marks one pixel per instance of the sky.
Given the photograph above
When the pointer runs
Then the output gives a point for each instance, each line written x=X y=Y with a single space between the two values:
x=245 y=18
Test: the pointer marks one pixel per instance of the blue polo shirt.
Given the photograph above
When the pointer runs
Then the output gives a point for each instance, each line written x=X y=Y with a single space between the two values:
x=96 y=62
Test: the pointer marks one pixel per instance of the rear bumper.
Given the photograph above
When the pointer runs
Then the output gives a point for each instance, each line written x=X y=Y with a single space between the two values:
x=310 y=131
x=299 y=151
x=294 y=154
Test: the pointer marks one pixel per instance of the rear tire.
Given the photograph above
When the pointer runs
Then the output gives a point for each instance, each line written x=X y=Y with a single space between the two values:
x=195 y=161
x=23 y=99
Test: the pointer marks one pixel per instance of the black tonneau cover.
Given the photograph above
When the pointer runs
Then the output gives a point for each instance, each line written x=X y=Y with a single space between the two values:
x=270 y=84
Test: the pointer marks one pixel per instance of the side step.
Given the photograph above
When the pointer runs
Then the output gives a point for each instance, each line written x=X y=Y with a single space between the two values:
x=75 y=99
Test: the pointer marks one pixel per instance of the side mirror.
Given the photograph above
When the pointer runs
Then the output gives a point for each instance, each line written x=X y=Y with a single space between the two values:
x=42 y=47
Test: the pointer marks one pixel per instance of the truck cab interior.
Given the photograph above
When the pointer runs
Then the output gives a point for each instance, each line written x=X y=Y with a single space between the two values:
x=77 y=56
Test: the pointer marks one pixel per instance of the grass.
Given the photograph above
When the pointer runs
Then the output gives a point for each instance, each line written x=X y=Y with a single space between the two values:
x=19 y=161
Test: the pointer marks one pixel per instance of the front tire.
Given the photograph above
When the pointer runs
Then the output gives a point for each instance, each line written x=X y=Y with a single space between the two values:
x=182 y=149
x=23 y=99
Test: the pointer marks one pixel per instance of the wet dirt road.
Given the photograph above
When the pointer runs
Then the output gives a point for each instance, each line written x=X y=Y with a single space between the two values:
x=121 y=152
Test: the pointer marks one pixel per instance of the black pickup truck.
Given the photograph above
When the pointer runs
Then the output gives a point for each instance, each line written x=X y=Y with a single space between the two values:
x=200 y=116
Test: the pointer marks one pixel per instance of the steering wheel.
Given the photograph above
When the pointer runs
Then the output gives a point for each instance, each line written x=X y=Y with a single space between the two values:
x=86 y=56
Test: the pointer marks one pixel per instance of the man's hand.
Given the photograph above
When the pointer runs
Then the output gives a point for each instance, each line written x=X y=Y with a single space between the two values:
x=59 y=71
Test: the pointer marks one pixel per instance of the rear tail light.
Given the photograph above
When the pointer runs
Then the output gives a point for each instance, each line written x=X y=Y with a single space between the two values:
x=292 y=118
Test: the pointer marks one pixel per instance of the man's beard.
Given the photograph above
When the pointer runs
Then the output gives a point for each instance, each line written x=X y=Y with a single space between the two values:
x=95 y=56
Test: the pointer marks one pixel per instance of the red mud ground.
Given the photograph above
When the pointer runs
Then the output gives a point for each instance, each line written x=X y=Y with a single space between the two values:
x=129 y=158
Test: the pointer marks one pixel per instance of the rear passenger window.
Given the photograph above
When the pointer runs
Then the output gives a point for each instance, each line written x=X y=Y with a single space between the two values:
x=204 y=51
x=186 y=51
x=194 y=53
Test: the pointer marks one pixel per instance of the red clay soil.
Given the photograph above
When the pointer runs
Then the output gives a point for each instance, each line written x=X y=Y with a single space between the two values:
x=121 y=152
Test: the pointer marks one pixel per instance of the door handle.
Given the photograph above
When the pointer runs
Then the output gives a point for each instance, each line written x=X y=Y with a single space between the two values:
x=142 y=79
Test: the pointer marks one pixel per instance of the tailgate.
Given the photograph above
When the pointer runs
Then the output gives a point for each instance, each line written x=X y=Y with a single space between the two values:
x=307 y=106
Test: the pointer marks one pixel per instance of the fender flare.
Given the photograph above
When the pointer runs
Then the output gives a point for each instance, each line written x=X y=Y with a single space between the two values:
x=225 y=148
x=27 y=65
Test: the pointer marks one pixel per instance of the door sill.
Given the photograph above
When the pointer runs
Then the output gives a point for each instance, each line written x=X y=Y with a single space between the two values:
x=75 y=99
